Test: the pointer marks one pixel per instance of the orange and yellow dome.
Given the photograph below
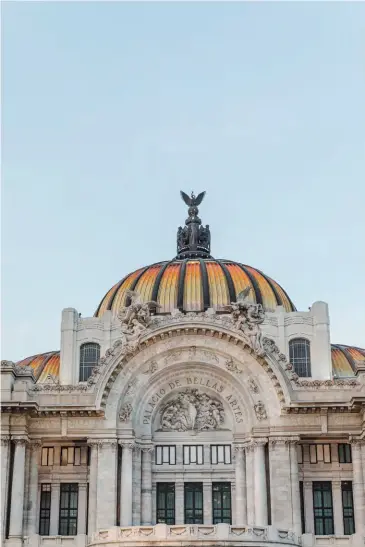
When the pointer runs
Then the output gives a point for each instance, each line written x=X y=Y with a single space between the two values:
x=196 y=284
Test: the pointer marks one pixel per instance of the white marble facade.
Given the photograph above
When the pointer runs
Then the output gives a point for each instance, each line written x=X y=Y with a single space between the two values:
x=217 y=388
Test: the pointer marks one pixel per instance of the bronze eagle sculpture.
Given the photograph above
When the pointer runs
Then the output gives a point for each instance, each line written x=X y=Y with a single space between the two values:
x=193 y=200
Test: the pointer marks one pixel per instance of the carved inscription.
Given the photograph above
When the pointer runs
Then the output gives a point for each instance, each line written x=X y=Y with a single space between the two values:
x=192 y=381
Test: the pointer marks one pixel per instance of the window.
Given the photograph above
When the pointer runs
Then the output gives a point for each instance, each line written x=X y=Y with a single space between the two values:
x=348 y=508
x=299 y=356
x=302 y=514
x=323 y=508
x=89 y=357
x=320 y=453
x=220 y=453
x=193 y=502
x=222 y=502
x=45 y=510
x=194 y=454
x=74 y=455
x=165 y=503
x=344 y=453
x=68 y=509
x=165 y=454
x=47 y=455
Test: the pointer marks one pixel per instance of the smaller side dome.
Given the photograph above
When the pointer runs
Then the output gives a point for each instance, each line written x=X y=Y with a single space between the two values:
x=344 y=360
x=43 y=365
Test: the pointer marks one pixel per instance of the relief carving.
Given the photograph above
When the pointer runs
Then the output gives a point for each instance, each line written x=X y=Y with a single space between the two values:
x=125 y=412
x=260 y=411
x=247 y=318
x=192 y=410
x=135 y=318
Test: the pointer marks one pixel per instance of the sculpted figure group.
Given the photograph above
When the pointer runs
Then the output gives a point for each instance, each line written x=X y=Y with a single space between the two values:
x=135 y=318
x=247 y=317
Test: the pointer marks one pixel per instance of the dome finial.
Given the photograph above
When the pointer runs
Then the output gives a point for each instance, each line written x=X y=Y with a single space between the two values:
x=194 y=239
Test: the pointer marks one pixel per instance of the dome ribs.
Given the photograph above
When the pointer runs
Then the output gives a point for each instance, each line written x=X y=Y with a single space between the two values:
x=278 y=298
x=157 y=282
x=134 y=284
x=181 y=283
x=205 y=284
x=231 y=289
x=255 y=285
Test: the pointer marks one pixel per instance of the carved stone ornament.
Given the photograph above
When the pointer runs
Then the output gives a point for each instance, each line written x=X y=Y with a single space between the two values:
x=135 y=318
x=192 y=410
x=125 y=412
x=232 y=367
x=260 y=411
x=253 y=386
x=152 y=367
x=247 y=318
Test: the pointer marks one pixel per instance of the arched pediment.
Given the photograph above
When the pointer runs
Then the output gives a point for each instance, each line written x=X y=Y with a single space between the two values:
x=253 y=380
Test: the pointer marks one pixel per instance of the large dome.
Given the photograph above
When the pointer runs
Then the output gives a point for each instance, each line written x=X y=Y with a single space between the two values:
x=196 y=285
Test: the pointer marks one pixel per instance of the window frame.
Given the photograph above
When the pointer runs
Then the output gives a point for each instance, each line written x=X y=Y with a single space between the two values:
x=171 y=450
x=222 y=486
x=198 y=513
x=45 y=512
x=217 y=446
x=48 y=455
x=347 y=453
x=349 y=527
x=86 y=366
x=300 y=361
x=323 y=487
x=68 y=488
x=188 y=447
x=317 y=448
x=165 y=488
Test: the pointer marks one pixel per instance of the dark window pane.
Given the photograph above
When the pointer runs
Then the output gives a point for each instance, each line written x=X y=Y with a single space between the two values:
x=221 y=502
x=299 y=356
x=45 y=510
x=323 y=508
x=89 y=357
x=165 y=503
x=348 y=508
x=193 y=503
x=68 y=509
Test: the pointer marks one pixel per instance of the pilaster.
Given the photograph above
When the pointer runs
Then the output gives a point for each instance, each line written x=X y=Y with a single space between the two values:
x=146 y=502
x=33 y=487
x=337 y=507
x=260 y=482
x=308 y=507
x=93 y=476
x=17 y=490
x=106 y=483
x=126 y=485
x=240 y=490
x=5 y=451
x=81 y=512
x=281 y=483
x=358 y=485
x=55 y=509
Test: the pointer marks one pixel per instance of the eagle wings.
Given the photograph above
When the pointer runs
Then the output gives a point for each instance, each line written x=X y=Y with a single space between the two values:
x=192 y=200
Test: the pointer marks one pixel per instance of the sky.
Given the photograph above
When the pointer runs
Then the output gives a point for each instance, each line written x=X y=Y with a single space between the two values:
x=110 y=109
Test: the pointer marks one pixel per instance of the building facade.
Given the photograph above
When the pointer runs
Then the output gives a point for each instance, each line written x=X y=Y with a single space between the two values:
x=197 y=407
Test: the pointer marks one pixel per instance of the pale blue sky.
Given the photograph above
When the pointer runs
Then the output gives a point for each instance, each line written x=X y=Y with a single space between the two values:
x=109 y=109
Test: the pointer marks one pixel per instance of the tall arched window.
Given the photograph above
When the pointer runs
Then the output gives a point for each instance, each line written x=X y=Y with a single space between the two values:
x=299 y=356
x=89 y=357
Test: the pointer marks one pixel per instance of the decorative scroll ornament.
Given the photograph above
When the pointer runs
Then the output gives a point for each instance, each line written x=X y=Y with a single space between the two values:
x=247 y=318
x=192 y=410
x=232 y=367
x=135 y=319
x=260 y=411
x=125 y=412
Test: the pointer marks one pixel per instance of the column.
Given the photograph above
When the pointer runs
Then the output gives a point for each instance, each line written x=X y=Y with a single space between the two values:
x=337 y=507
x=308 y=507
x=146 y=510
x=107 y=484
x=81 y=509
x=137 y=486
x=93 y=475
x=295 y=493
x=55 y=509
x=17 y=490
x=5 y=450
x=250 y=485
x=281 y=483
x=358 y=486
x=33 y=488
x=240 y=475
x=179 y=502
x=260 y=483
x=207 y=503
x=126 y=484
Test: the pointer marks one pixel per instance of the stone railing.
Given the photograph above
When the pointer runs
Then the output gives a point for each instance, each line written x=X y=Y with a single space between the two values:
x=189 y=534
x=55 y=541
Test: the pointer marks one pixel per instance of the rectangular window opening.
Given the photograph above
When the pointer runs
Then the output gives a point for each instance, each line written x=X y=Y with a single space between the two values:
x=222 y=508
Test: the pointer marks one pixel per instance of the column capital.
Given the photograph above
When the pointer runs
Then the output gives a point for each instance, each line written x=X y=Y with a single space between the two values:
x=105 y=443
x=82 y=485
x=35 y=445
x=256 y=442
x=4 y=440
x=239 y=448
x=128 y=444
x=146 y=448
x=93 y=442
x=357 y=441
x=20 y=440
